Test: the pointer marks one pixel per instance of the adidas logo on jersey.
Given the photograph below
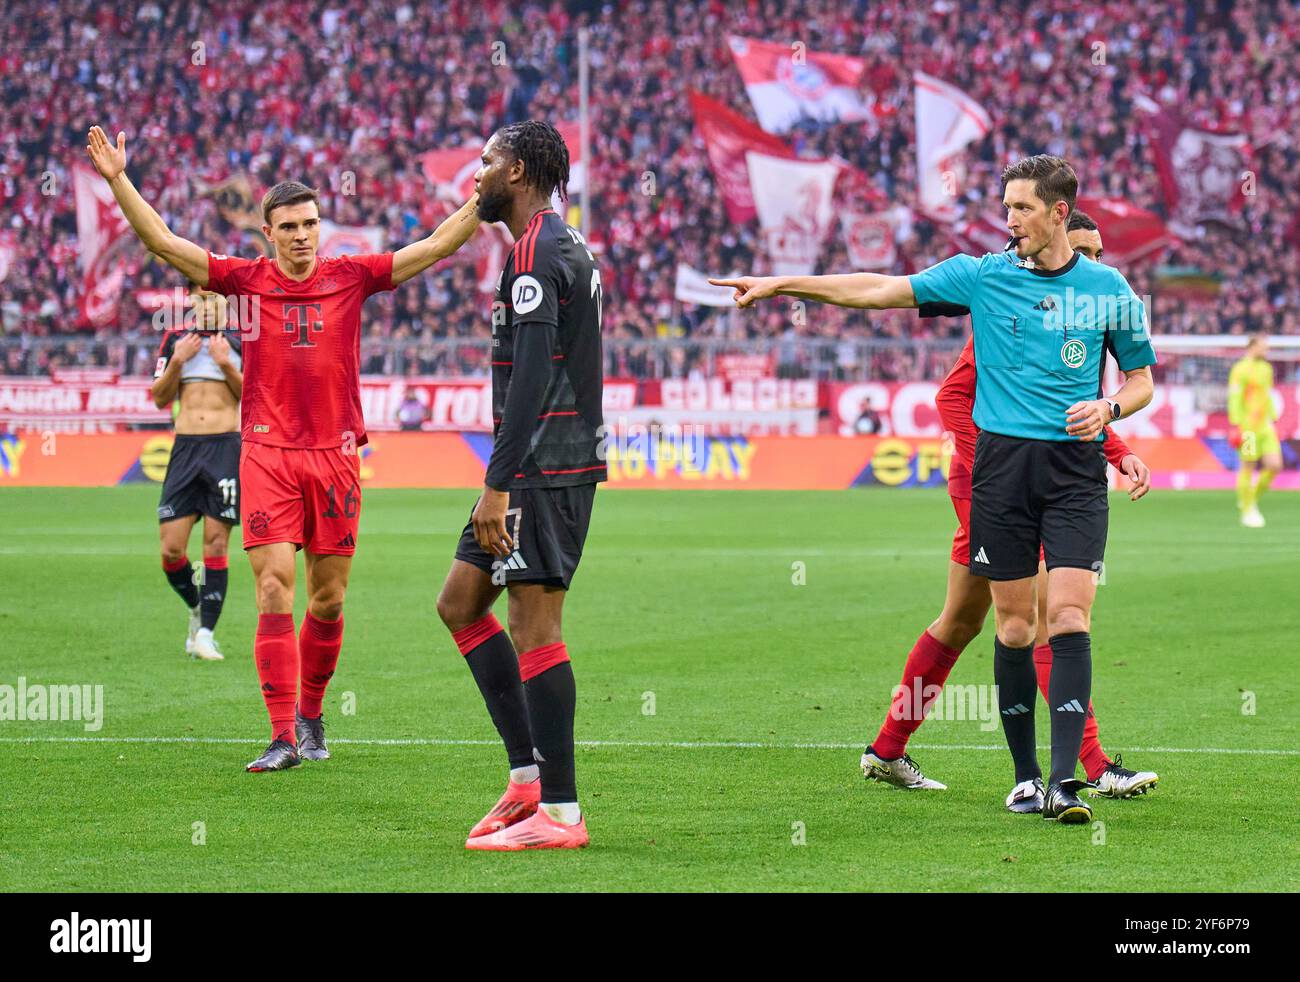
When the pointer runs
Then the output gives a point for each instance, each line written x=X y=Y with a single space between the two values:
x=1047 y=303
x=1070 y=707
x=981 y=557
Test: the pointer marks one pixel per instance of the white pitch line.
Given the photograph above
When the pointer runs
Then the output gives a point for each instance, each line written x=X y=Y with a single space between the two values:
x=651 y=744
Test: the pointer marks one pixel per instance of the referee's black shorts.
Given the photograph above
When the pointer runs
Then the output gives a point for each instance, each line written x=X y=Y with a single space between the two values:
x=1026 y=492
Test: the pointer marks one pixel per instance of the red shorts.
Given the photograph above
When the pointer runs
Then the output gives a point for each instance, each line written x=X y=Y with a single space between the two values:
x=961 y=538
x=311 y=498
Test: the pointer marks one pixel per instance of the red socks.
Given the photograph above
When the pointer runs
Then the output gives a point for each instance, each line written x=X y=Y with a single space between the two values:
x=275 y=650
x=1091 y=755
x=926 y=670
x=318 y=648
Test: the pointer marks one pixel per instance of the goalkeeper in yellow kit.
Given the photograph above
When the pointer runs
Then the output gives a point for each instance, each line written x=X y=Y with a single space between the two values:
x=1251 y=413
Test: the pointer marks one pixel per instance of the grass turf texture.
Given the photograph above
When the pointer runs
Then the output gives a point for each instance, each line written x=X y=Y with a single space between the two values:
x=687 y=596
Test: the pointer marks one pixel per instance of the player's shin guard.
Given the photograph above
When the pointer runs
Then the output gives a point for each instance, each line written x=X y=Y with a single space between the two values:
x=275 y=650
x=318 y=653
x=1013 y=673
x=181 y=577
x=1091 y=755
x=552 y=699
x=1068 y=699
x=926 y=670
x=216 y=576
x=495 y=666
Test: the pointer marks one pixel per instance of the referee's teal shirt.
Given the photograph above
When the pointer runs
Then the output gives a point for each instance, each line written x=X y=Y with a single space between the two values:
x=1040 y=337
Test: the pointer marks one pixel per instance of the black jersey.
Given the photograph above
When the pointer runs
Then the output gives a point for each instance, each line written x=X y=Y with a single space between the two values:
x=546 y=362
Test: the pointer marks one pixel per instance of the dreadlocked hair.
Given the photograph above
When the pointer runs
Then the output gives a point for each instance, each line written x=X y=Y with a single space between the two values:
x=543 y=152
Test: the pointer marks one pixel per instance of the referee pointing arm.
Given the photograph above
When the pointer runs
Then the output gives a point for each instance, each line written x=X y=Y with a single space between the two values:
x=1044 y=317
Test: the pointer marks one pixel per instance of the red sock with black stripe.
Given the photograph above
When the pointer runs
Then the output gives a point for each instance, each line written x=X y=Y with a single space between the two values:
x=491 y=658
x=926 y=670
x=318 y=653
x=552 y=701
x=1091 y=755
x=275 y=650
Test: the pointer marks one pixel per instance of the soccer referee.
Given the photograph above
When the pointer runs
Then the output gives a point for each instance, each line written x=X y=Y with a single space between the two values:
x=1043 y=317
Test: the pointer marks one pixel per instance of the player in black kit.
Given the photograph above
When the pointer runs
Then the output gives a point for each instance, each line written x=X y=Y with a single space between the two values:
x=527 y=530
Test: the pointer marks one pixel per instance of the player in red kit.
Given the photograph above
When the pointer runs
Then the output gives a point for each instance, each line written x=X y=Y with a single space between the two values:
x=301 y=424
x=968 y=599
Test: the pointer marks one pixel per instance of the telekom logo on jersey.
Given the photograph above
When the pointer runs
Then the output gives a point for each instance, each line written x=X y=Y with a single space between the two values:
x=299 y=317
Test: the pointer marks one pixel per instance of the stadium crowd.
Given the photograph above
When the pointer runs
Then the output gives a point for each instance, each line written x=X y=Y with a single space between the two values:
x=316 y=88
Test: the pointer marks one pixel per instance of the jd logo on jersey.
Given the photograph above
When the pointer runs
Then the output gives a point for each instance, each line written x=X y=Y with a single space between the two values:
x=525 y=295
x=1074 y=353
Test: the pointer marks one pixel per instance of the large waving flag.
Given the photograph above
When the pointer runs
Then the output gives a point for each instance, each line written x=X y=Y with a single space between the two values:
x=107 y=247
x=947 y=119
x=727 y=137
x=454 y=169
x=793 y=198
x=1201 y=171
x=1128 y=233
x=788 y=83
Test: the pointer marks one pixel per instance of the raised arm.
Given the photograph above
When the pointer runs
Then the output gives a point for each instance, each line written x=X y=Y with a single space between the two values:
x=454 y=232
x=178 y=253
x=869 y=291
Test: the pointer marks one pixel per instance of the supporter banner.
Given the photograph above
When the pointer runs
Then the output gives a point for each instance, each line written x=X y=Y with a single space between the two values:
x=727 y=137
x=74 y=403
x=793 y=200
x=947 y=119
x=8 y=252
x=1201 y=172
x=869 y=239
x=647 y=458
x=787 y=83
x=105 y=241
x=1128 y=233
x=694 y=287
x=349 y=240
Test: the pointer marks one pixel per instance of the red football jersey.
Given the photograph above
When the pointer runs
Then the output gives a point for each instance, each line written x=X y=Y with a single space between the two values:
x=955 y=402
x=302 y=353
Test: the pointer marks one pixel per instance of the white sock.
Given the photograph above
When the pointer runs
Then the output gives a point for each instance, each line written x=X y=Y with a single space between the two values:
x=202 y=632
x=564 y=812
x=525 y=775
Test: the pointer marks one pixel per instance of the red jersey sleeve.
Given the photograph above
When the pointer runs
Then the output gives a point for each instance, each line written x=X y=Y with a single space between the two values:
x=376 y=272
x=955 y=402
x=1115 y=448
x=223 y=273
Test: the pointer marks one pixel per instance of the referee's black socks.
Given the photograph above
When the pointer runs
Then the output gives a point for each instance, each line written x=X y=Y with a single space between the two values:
x=1068 y=693
x=1013 y=673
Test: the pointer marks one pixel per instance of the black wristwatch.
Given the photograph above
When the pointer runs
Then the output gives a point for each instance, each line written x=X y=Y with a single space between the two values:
x=1115 y=411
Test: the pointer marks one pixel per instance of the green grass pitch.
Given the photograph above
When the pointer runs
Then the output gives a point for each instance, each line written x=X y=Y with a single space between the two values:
x=685 y=605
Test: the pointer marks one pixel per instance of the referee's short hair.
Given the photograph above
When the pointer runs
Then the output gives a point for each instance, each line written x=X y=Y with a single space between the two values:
x=1080 y=220
x=1054 y=179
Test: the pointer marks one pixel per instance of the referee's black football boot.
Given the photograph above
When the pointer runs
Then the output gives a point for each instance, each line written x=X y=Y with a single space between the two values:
x=279 y=756
x=1063 y=803
x=311 y=736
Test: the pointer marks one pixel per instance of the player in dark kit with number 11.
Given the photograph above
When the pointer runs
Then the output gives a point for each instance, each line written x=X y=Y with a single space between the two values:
x=527 y=530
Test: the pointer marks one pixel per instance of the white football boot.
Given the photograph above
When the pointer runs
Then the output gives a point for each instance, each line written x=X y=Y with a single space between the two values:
x=1026 y=798
x=195 y=624
x=901 y=772
x=1251 y=518
x=1118 y=781
x=205 y=647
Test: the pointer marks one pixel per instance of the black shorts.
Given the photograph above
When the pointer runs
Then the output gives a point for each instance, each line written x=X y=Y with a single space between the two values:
x=202 y=478
x=1024 y=492
x=548 y=527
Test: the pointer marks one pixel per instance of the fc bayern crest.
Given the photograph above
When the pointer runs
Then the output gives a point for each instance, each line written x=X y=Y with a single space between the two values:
x=805 y=80
x=1074 y=353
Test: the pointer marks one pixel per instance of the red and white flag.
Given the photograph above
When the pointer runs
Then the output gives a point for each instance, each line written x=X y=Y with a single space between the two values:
x=869 y=239
x=1128 y=233
x=727 y=137
x=947 y=120
x=453 y=170
x=787 y=83
x=1201 y=172
x=794 y=203
x=8 y=252
x=349 y=240
x=105 y=245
